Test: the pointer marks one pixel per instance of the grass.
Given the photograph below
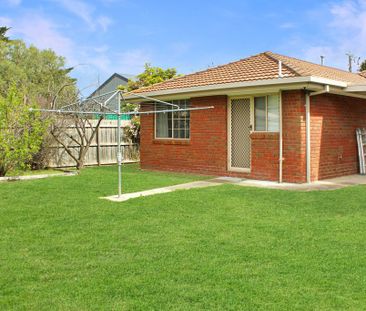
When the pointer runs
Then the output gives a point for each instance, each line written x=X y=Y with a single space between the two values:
x=218 y=248
x=32 y=172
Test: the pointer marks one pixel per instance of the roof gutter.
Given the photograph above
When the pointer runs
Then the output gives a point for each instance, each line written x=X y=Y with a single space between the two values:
x=256 y=83
x=348 y=91
x=356 y=88
x=326 y=90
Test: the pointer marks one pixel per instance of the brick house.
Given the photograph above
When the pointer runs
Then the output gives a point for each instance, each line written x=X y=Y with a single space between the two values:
x=274 y=118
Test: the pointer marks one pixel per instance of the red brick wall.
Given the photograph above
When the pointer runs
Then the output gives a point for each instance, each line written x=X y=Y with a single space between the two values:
x=205 y=152
x=264 y=156
x=334 y=120
x=294 y=136
x=334 y=152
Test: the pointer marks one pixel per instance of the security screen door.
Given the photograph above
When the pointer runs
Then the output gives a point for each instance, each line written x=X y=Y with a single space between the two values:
x=240 y=131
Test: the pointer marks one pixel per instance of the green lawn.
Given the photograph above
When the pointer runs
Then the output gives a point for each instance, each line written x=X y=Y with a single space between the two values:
x=33 y=172
x=218 y=248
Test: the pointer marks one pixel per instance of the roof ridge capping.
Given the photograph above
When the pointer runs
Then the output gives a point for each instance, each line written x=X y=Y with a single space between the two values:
x=271 y=55
x=306 y=71
x=274 y=55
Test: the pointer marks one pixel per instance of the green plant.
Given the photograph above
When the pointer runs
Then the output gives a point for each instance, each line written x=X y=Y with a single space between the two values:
x=151 y=75
x=363 y=65
x=21 y=131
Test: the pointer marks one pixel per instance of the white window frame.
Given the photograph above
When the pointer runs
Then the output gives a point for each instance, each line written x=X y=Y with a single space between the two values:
x=171 y=108
x=266 y=121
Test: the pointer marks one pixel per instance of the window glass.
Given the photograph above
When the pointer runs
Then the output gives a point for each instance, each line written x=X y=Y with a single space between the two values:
x=163 y=123
x=260 y=113
x=173 y=124
x=273 y=113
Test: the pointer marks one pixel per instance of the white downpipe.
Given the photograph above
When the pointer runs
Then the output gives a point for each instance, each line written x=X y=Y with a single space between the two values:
x=280 y=167
x=308 y=141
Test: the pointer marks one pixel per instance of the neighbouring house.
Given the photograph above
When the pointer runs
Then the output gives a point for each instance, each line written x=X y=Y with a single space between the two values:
x=275 y=118
x=110 y=85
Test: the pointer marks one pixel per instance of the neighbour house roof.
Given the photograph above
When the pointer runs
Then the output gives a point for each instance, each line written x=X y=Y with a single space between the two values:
x=362 y=73
x=263 y=66
x=123 y=77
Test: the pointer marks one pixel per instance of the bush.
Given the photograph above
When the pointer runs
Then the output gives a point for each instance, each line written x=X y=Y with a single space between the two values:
x=21 y=131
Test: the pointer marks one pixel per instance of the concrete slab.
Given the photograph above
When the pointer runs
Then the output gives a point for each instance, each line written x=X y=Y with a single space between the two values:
x=191 y=185
x=327 y=184
x=227 y=179
x=349 y=180
x=32 y=177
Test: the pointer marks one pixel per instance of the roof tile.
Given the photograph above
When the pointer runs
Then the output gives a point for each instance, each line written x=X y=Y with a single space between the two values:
x=263 y=66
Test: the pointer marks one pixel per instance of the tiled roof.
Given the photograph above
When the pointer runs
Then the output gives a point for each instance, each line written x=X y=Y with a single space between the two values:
x=362 y=73
x=304 y=68
x=262 y=66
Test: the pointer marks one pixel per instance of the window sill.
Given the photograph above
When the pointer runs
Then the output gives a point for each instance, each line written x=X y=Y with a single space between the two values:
x=264 y=135
x=172 y=141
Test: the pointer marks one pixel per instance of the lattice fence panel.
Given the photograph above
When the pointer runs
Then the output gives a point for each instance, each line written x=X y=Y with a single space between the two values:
x=240 y=131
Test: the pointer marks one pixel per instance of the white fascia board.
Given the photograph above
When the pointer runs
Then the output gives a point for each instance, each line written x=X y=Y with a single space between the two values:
x=240 y=85
x=329 y=82
x=356 y=88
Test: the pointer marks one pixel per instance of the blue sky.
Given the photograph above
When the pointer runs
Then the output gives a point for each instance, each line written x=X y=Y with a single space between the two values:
x=106 y=36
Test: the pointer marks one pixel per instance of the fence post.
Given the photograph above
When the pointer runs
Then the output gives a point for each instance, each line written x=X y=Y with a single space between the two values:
x=98 y=145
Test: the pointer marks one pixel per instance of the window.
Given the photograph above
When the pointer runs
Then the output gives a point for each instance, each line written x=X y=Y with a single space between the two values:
x=173 y=124
x=266 y=113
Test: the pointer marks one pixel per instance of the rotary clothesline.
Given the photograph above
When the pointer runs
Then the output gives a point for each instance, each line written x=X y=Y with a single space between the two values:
x=84 y=103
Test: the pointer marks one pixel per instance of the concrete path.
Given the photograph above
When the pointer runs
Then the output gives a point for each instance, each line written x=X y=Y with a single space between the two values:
x=39 y=176
x=191 y=185
x=327 y=184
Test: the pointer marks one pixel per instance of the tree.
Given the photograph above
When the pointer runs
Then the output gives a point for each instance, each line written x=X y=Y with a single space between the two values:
x=363 y=65
x=150 y=76
x=21 y=131
x=40 y=74
x=75 y=132
x=3 y=31
x=64 y=131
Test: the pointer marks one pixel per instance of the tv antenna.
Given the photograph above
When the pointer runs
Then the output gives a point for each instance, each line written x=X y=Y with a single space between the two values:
x=352 y=59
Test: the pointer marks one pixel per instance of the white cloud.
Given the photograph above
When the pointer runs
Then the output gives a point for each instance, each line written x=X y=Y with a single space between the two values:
x=345 y=31
x=85 y=12
x=13 y=2
x=287 y=25
x=43 y=33
x=80 y=9
x=101 y=49
x=5 y=21
x=179 y=48
x=90 y=61
x=103 y=64
x=104 y=22
x=131 y=61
